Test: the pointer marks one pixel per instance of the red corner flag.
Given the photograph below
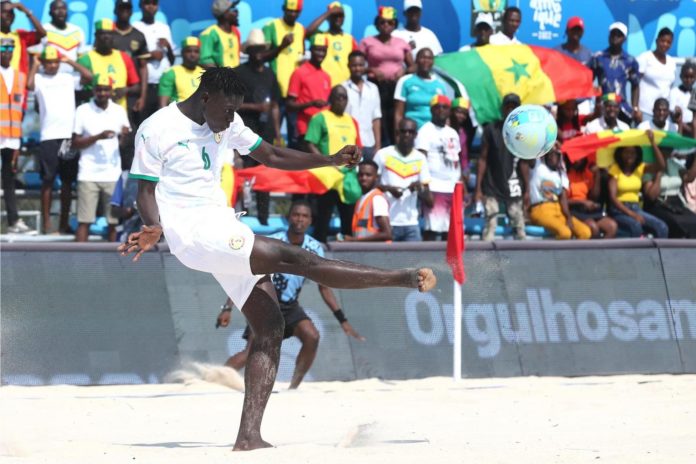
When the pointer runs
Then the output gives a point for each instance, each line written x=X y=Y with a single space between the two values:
x=455 y=237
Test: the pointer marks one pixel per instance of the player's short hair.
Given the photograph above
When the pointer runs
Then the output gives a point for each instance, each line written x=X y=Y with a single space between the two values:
x=222 y=80
x=661 y=101
x=665 y=31
x=356 y=53
x=366 y=162
x=298 y=203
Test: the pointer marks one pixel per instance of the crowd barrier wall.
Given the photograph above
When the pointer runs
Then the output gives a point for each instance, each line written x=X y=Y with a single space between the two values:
x=81 y=314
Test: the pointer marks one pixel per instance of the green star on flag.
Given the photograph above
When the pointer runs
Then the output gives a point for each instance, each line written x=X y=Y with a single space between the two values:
x=518 y=69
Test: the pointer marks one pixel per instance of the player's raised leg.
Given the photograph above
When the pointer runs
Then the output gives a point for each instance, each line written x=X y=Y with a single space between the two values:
x=263 y=315
x=269 y=256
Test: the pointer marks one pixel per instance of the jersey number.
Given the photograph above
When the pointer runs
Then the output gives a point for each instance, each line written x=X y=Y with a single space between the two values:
x=206 y=159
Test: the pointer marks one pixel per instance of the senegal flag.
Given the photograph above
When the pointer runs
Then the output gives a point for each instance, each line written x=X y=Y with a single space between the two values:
x=605 y=142
x=538 y=75
x=318 y=181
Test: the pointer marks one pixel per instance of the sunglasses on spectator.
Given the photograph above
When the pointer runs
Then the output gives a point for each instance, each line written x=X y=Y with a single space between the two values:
x=6 y=48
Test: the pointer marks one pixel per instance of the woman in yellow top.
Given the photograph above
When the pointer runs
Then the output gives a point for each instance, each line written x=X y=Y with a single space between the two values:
x=625 y=184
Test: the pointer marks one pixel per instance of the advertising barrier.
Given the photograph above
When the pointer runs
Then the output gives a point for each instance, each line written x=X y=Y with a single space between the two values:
x=81 y=314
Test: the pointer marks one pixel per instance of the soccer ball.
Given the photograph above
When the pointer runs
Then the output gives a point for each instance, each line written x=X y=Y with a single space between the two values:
x=529 y=131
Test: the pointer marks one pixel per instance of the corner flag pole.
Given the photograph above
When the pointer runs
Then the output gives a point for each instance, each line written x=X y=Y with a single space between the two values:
x=457 y=345
x=455 y=259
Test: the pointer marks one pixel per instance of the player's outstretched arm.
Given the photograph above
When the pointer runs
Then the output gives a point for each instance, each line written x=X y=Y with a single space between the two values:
x=295 y=160
x=140 y=242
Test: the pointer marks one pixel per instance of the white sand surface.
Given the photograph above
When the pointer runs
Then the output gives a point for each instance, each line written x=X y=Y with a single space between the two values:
x=617 y=419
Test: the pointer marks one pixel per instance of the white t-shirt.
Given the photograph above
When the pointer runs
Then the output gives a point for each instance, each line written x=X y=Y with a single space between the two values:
x=56 y=97
x=678 y=97
x=545 y=184
x=599 y=124
x=649 y=124
x=153 y=32
x=401 y=171
x=501 y=39
x=364 y=106
x=443 y=147
x=424 y=38
x=69 y=42
x=185 y=160
x=101 y=161
x=656 y=79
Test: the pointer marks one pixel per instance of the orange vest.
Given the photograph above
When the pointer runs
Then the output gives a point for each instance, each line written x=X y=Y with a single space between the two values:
x=11 y=106
x=363 y=222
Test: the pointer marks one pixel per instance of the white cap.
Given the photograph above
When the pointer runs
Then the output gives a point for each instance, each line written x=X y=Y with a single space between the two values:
x=482 y=18
x=618 y=25
x=412 y=4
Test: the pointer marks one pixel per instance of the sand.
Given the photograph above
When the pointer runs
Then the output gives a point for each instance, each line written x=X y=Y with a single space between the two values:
x=617 y=419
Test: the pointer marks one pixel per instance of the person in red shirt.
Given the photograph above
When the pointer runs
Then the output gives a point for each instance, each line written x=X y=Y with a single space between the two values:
x=569 y=122
x=22 y=38
x=309 y=86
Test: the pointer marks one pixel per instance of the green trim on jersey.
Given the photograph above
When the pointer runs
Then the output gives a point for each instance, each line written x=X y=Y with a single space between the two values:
x=256 y=145
x=143 y=177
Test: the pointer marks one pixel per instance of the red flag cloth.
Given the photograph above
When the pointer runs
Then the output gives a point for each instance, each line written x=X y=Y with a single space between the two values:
x=455 y=236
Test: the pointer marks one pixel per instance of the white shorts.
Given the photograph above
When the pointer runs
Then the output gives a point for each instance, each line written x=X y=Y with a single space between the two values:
x=213 y=240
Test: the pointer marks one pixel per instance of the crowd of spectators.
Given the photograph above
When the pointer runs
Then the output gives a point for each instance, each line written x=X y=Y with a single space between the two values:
x=380 y=93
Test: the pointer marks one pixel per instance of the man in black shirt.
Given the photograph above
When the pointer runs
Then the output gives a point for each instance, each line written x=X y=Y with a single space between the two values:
x=501 y=177
x=260 y=111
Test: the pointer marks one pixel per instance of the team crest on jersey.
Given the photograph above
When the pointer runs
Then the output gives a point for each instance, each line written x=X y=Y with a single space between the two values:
x=134 y=45
x=218 y=137
x=236 y=242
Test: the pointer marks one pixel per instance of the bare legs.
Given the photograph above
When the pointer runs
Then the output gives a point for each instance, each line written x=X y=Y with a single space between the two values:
x=309 y=336
x=267 y=324
x=269 y=256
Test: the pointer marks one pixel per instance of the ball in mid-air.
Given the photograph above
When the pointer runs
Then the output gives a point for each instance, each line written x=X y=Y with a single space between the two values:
x=529 y=131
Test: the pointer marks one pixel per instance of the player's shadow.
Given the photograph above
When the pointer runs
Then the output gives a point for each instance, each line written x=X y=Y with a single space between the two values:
x=181 y=444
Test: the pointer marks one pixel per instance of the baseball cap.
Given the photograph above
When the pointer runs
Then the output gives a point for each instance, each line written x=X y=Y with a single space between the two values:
x=191 y=41
x=412 y=4
x=102 y=80
x=611 y=97
x=319 y=40
x=440 y=100
x=461 y=102
x=619 y=26
x=221 y=6
x=50 y=53
x=511 y=99
x=484 y=18
x=575 y=21
x=104 y=24
x=127 y=3
x=334 y=5
x=294 y=5
x=387 y=12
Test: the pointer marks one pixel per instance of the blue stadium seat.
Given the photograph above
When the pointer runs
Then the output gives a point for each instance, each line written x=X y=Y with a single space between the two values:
x=537 y=231
x=99 y=227
x=32 y=181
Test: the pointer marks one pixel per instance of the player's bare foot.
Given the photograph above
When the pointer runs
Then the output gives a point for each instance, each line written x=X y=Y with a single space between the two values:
x=426 y=279
x=252 y=444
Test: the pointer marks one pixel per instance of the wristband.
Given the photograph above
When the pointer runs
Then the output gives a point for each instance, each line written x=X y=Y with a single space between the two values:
x=340 y=317
x=225 y=308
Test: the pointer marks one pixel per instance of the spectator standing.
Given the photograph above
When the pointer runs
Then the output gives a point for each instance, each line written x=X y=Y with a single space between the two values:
x=12 y=94
x=414 y=92
x=657 y=72
x=104 y=60
x=388 y=59
x=22 y=39
x=584 y=192
x=501 y=177
x=512 y=18
x=340 y=44
x=413 y=33
x=130 y=40
x=610 y=116
x=460 y=121
x=404 y=178
x=181 y=80
x=100 y=125
x=328 y=131
x=260 y=111
x=53 y=90
x=441 y=145
x=625 y=185
x=364 y=104
x=483 y=29
x=159 y=45
x=679 y=97
x=613 y=68
x=575 y=28
x=65 y=37
x=371 y=217
x=221 y=42
x=286 y=36
x=549 y=200
x=310 y=86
